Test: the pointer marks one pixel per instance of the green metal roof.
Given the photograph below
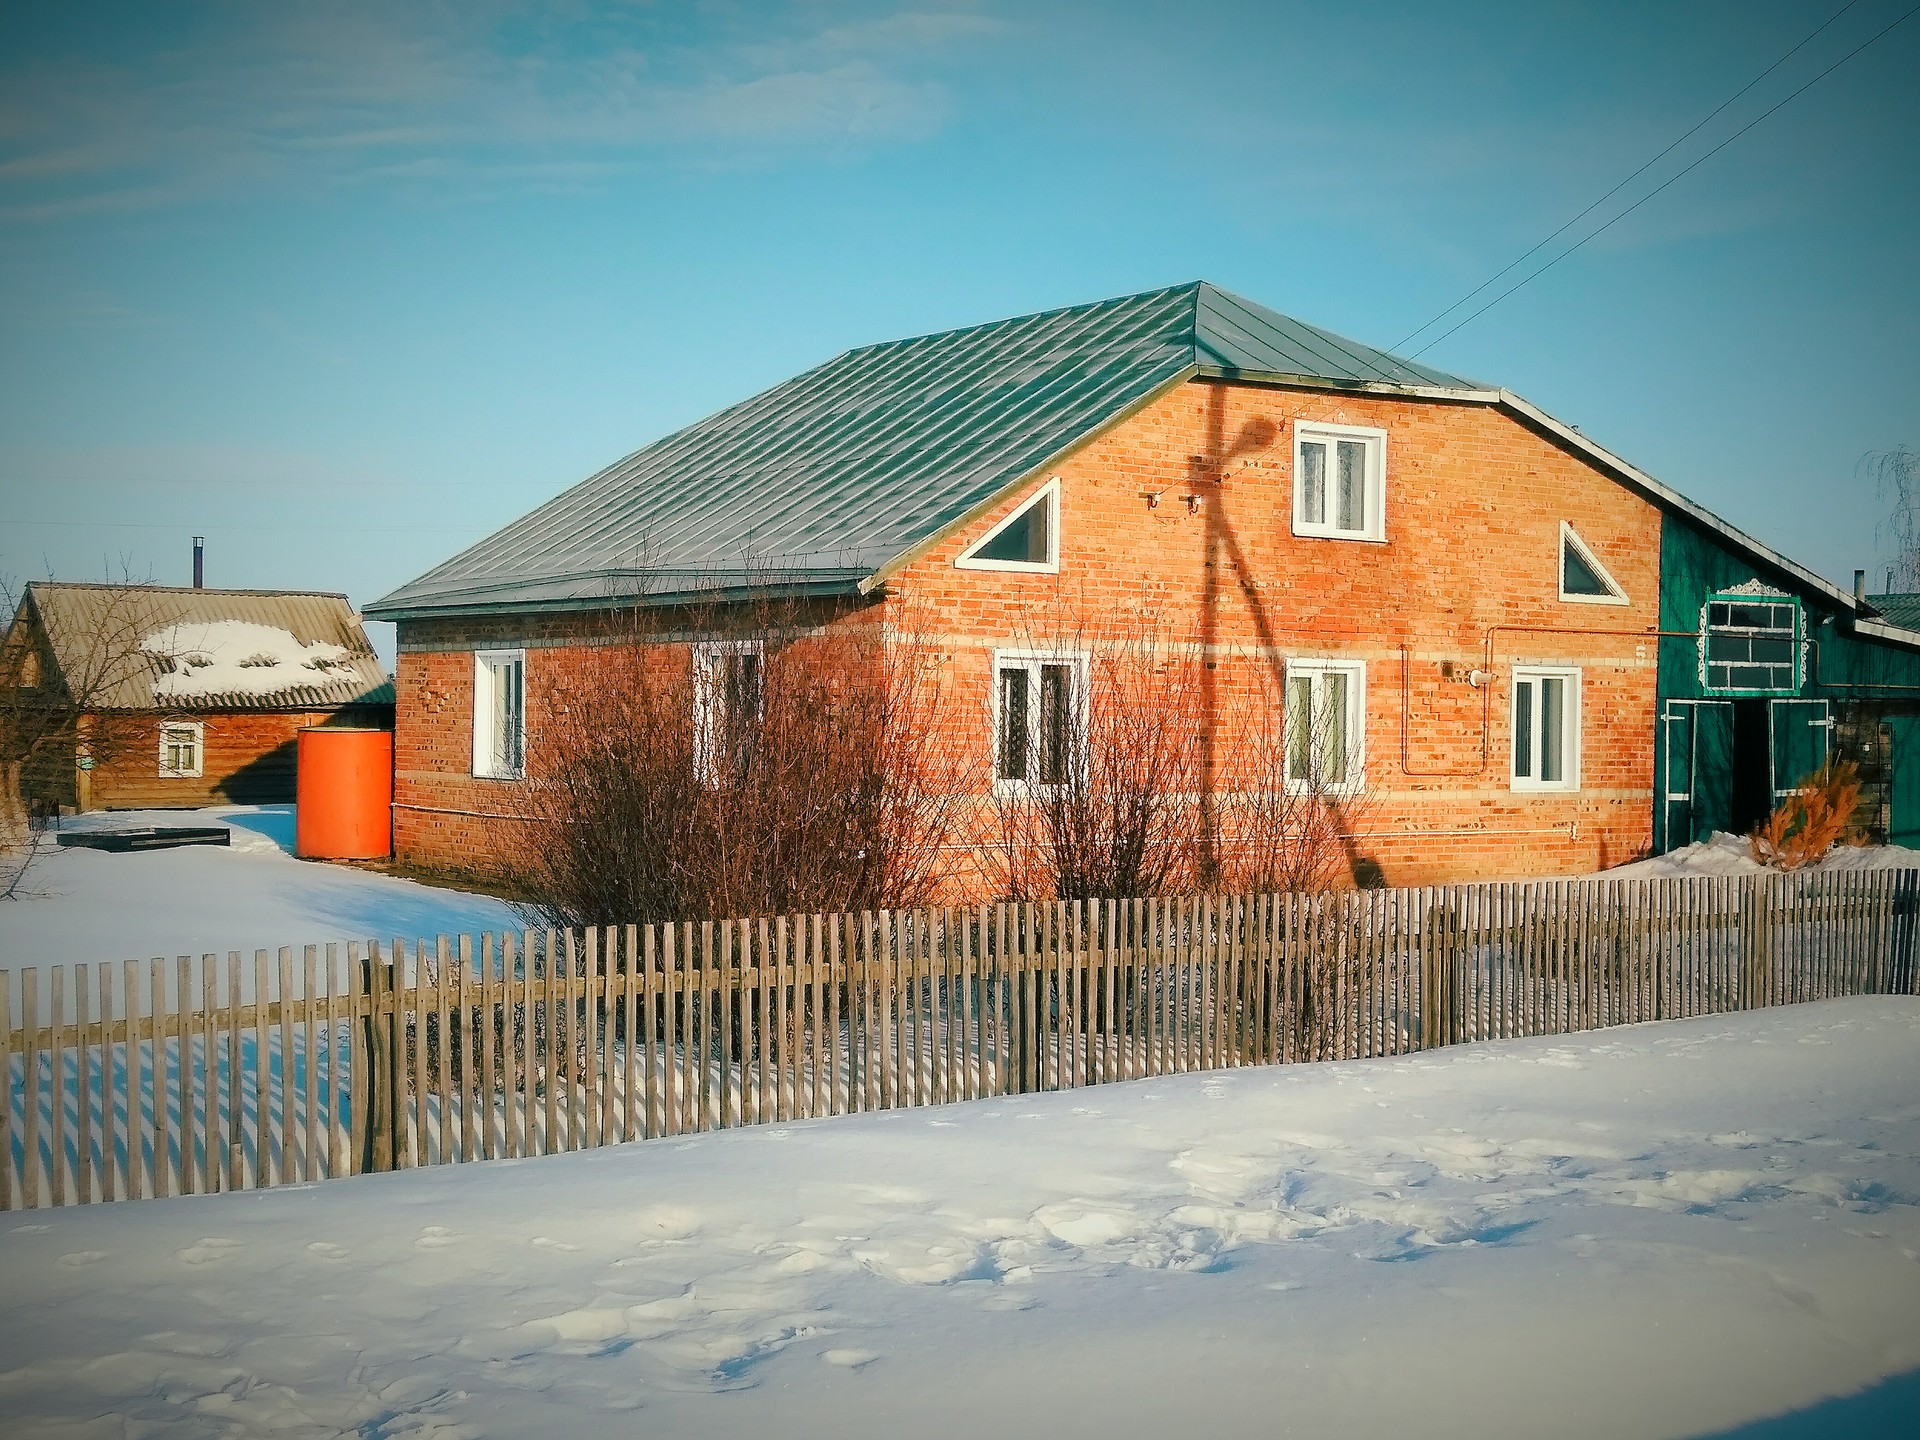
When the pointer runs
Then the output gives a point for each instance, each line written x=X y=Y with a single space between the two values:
x=816 y=484
x=1902 y=610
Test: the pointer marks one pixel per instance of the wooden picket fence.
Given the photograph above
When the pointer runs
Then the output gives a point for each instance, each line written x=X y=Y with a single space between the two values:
x=189 y=1076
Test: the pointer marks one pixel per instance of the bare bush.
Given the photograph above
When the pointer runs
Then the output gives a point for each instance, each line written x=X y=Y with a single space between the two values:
x=1119 y=797
x=1098 y=791
x=1296 y=799
x=784 y=765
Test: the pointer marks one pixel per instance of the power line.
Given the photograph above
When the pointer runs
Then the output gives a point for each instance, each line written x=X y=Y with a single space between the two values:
x=1520 y=259
x=1602 y=229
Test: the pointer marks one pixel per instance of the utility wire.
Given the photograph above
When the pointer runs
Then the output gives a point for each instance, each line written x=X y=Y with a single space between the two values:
x=1601 y=230
x=1521 y=259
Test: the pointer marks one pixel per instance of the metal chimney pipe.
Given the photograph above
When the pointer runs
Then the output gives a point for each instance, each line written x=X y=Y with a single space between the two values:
x=199 y=561
x=1859 y=587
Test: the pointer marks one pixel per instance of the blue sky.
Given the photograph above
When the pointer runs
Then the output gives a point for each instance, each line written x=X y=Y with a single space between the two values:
x=345 y=287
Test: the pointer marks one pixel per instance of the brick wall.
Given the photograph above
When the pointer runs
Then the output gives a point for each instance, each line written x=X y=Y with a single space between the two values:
x=1474 y=503
x=446 y=819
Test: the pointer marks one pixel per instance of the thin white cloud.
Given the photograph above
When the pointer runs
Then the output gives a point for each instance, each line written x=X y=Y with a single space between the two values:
x=356 y=94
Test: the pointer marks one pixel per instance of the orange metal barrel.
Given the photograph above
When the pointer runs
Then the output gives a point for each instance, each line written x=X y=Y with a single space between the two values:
x=345 y=794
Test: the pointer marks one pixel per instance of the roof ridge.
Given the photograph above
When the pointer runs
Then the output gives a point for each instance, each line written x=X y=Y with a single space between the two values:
x=1048 y=314
x=179 y=589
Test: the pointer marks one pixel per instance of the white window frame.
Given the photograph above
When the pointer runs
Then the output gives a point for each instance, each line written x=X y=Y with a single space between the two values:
x=1031 y=661
x=1356 y=723
x=1375 y=530
x=1571 y=537
x=199 y=731
x=708 y=656
x=1570 y=732
x=1048 y=495
x=487 y=666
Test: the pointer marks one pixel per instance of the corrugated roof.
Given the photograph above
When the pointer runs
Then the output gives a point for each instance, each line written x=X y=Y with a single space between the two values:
x=1902 y=609
x=820 y=481
x=97 y=633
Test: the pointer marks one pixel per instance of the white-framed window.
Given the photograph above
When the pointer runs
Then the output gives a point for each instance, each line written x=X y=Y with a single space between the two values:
x=1750 y=644
x=1326 y=723
x=1039 y=718
x=500 y=714
x=1028 y=539
x=182 y=749
x=729 y=702
x=1339 y=481
x=1583 y=579
x=1546 y=727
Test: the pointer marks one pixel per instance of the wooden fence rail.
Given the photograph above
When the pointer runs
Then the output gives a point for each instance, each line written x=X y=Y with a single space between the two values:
x=188 y=1076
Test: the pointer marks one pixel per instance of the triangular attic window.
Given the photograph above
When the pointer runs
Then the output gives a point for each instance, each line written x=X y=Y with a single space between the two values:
x=1582 y=576
x=1025 y=540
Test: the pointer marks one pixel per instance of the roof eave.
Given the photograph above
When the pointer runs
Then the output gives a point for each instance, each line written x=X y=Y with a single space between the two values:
x=1886 y=630
x=1673 y=499
x=471 y=607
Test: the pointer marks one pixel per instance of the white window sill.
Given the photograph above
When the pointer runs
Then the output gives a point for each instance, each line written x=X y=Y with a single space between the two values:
x=1305 y=533
x=1594 y=599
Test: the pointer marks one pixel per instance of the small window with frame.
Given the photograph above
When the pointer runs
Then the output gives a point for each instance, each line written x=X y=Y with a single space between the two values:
x=1326 y=713
x=1039 y=719
x=499 y=714
x=1583 y=579
x=729 y=704
x=1339 y=481
x=1028 y=539
x=182 y=749
x=1546 y=727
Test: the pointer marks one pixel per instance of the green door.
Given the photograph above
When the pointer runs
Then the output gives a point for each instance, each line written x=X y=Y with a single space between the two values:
x=1903 y=780
x=1696 y=782
x=1798 y=733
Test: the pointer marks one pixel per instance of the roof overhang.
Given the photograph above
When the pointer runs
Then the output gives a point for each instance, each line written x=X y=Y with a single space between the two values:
x=1673 y=500
x=623 y=590
x=1886 y=630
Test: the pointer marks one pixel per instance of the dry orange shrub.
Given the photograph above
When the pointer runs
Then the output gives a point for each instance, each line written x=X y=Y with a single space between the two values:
x=1817 y=816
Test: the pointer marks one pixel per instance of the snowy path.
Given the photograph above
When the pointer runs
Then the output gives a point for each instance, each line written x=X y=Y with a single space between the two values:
x=1662 y=1230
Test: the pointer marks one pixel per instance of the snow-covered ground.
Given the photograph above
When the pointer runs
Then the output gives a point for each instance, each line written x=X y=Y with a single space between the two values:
x=85 y=906
x=1724 y=854
x=1665 y=1230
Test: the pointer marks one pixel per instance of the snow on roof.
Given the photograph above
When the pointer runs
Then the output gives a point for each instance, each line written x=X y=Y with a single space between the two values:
x=145 y=647
x=237 y=657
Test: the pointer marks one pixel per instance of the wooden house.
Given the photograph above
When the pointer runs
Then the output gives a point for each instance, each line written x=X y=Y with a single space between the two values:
x=158 y=697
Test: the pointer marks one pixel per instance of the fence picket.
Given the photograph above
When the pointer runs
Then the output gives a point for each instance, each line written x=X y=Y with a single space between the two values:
x=12 y=1177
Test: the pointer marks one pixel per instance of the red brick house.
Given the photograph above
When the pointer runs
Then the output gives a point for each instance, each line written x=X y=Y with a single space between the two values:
x=1472 y=586
x=174 y=697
